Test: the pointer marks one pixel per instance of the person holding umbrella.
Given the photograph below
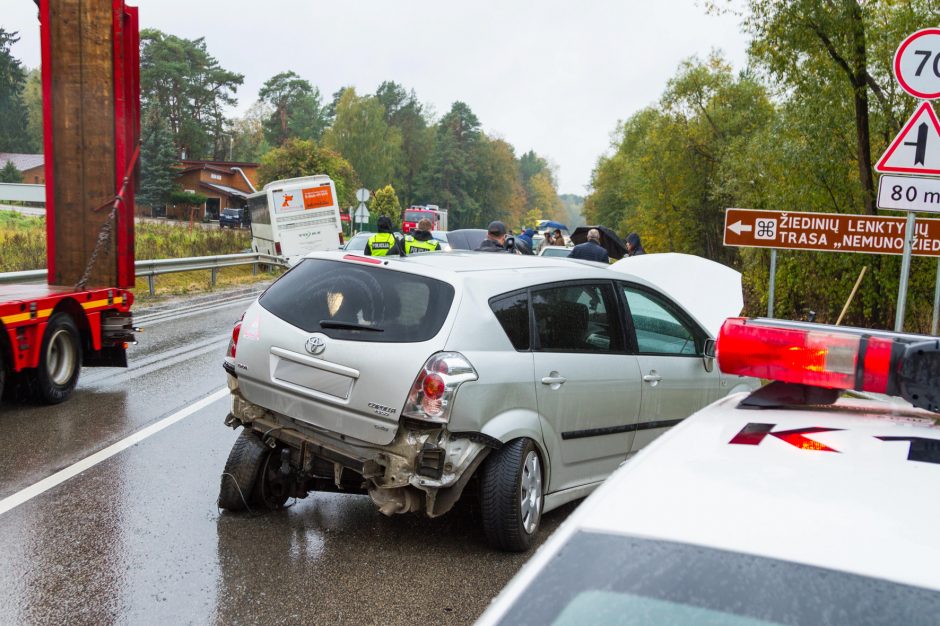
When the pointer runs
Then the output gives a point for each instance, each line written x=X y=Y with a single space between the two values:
x=609 y=240
x=590 y=250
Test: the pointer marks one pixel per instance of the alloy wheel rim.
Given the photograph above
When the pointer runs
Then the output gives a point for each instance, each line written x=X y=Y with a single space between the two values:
x=531 y=492
x=61 y=357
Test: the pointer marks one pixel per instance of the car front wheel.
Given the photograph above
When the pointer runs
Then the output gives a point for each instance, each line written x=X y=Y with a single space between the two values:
x=511 y=496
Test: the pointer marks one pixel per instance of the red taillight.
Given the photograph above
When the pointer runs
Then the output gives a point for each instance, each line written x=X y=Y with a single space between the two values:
x=817 y=358
x=433 y=387
x=233 y=344
x=432 y=394
x=277 y=248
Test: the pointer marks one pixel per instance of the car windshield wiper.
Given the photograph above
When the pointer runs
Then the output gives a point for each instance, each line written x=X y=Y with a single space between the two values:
x=349 y=326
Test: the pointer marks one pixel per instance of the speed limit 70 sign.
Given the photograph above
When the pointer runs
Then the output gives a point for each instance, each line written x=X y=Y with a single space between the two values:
x=917 y=64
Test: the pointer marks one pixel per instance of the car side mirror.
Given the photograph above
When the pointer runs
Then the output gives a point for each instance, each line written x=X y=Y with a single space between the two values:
x=708 y=355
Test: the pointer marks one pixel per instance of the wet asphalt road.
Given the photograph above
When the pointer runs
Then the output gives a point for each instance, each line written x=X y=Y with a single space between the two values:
x=138 y=538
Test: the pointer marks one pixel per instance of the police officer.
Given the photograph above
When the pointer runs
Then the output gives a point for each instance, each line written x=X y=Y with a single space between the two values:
x=420 y=239
x=384 y=242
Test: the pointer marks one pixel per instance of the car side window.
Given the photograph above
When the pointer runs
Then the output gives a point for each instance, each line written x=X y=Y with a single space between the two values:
x=512 y=311
x=577 y=318
x=659 y=327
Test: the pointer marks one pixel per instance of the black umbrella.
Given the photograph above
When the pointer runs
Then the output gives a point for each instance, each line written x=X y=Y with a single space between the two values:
x=466 y=238
x=614 y=246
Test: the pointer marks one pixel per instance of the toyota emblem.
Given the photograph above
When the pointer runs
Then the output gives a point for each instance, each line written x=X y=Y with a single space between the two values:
x=315 y=344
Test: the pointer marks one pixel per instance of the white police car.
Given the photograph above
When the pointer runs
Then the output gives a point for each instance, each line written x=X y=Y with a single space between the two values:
x=789 y=505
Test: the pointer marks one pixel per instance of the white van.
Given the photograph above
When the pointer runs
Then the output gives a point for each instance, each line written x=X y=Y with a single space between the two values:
x=292 y=217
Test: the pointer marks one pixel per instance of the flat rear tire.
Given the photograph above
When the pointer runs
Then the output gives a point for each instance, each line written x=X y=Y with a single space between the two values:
x=236 y=492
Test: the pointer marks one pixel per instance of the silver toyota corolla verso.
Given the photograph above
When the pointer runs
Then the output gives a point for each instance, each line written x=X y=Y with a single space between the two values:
x=528 y=378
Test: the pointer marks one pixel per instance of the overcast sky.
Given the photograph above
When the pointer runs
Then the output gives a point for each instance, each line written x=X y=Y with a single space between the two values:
x=546 y=75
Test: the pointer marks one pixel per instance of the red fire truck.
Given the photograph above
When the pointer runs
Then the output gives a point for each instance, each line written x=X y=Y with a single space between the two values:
x=91 y=123
x=415 y=213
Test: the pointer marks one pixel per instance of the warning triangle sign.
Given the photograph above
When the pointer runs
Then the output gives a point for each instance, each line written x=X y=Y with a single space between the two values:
x=916 y=149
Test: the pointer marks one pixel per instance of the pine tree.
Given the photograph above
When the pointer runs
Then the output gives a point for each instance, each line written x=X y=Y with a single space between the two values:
x=9 y=174
x=158 y=163
x=13 y=117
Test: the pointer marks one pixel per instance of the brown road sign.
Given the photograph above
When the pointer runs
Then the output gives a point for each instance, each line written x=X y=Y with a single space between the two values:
x=828 y=232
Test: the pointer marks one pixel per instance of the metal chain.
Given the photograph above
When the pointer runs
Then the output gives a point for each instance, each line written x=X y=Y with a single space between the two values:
x=104 y=236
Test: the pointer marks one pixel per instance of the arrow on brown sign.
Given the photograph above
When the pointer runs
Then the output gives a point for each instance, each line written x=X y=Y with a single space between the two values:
x=828 y=232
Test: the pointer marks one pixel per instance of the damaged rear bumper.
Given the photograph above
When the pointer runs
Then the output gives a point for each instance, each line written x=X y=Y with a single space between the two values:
x=425 y=468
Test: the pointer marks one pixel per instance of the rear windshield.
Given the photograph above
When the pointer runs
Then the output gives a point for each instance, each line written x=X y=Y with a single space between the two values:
x=359 y=302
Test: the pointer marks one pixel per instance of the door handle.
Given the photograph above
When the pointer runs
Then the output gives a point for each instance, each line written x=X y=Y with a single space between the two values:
x=652 y=377
x=554 y=380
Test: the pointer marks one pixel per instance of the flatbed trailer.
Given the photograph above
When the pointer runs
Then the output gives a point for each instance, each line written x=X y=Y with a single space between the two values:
x=91 y=137
x=48 y=333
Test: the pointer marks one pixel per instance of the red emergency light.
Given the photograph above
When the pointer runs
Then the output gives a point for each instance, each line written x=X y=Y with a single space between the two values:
x=833 y=357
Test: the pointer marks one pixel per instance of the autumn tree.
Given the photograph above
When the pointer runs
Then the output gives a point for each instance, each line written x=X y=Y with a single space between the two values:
x=385 y=202
x=361 y=134
x=303 y=157
x=404 y=112
x=32 y=100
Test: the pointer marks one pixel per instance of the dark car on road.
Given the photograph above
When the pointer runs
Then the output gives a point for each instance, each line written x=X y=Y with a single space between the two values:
x=234 y=218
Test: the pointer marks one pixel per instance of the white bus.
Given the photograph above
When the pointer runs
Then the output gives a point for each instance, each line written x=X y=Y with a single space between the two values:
x=290 y=218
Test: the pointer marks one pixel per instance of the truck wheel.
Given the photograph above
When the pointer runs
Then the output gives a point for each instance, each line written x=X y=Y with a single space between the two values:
x=511 y=496
x=60 y=361
x=236 y=492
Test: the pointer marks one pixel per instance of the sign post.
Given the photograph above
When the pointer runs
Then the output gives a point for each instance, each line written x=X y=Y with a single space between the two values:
x=915 y=151
x=909 y=237
x=936 y=302
x=773 y=282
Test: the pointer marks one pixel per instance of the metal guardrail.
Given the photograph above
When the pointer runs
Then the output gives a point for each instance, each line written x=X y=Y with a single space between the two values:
x=153 y=268
x=22 y=192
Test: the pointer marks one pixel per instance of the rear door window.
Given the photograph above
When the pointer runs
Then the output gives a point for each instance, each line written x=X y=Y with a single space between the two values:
x=577 y=318
x=360 y=302
x=512 y=311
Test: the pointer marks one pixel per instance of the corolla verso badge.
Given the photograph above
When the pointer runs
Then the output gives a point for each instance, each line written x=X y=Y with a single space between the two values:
x=316 y=344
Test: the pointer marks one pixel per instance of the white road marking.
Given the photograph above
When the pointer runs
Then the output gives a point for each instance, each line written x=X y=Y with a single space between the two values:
x=27 y=494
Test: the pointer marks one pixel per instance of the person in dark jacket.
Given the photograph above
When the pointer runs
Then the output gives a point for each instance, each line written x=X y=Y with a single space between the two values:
x=634 y=247
x=590 y=250
x=495 y=238
x=384 y=242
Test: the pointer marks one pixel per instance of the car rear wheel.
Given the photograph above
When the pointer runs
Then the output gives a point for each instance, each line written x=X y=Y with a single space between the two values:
x=272 y=487
x=60 y=361
x=511 y=496
x=236 y=493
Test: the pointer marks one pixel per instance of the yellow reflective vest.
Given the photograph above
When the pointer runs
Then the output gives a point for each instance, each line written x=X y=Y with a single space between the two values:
x=380 y=244
x=413 y=246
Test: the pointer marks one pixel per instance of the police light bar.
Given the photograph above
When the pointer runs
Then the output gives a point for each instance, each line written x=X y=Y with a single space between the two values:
x=833 y=357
